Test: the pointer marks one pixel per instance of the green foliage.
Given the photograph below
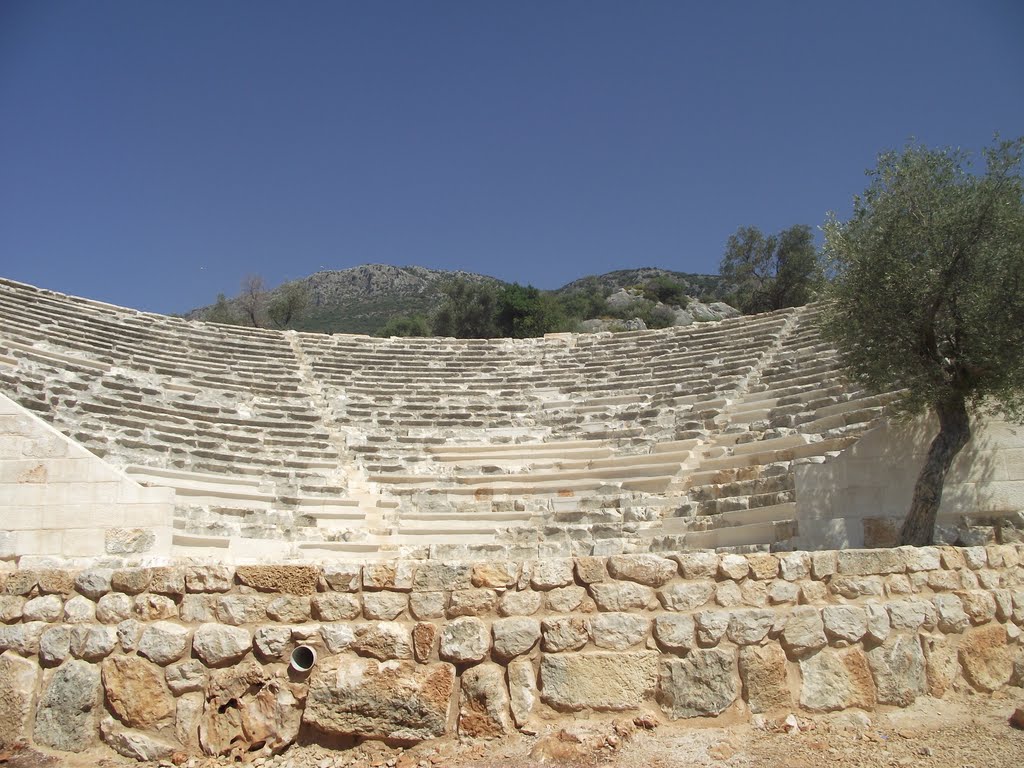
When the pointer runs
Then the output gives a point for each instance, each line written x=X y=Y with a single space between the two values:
x=405 y=326
x=221 y=312
x=585 y=302
x=468 y=311
x=929 y=278
x=666 y=290
x=525 y=312
x=773 y=271
x=288 y=304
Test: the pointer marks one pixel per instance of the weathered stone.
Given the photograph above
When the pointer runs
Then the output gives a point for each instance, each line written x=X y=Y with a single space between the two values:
x=675 y=633
x=423 y=636
x=900 y=583
x=749 y=626
x=824 y=564
x=813 y=592
x=986 y=659
x=711 y=627
x=551 y=573
x=483 y=703
x=912 y=614
x=804 y=631
x=395 y=575
x=619 y=631
x=94 y=582
x=979 y=605
x=136 y=692
x=836 y=679
x=150 y=607
x=472 y=602
x=383 y=640
x=56 y=581
x=428 y=605
x=600 y=681
x=976 y=558
x=522 y=686
x=240 y=609
x=754 y=593
x=871 y=562
x=113 y=607
x=698 y=565
x=621 y=595
x=439 y=576
x=795 y=566
x=384 y=606
x=728 y=594
x=271 y=642
x=763 y=566
x=337 y=637
x=399 y=701
x=733 y=567
x=951 y=615
x=135 y=744
x=79 y=610
x=188 y=718
x=686 y=597
x=590 y=570
x=216 y=644
x=10 y=608
x=700 y=685
x=48 y=608
x=129 y=632
x=22 y=638
x=17 y=686
x=565 y=634
x=497 y=575
x=765 y=681
x=514 y=636
x=92 y=642
x=68 y=711
x=565 y=599
x=249 y=711
x=209 y=578
x=465 y=639
x=898 y=670
x=921 y=558
x=289 y=609
x=783 y=592
x=185 y=677
x=163 y=642
x=846 y=624
x=652 y=570
x=878 y=624
x=55 y=645
x=167 y=580
x=942 y=668
x=524 y=603
x=341 y=577
x=290 y=579
x=131 y=581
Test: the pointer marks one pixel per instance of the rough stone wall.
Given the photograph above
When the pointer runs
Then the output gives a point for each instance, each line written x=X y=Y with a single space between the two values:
x=58 y=499
x=158 y=660
x=860 y=497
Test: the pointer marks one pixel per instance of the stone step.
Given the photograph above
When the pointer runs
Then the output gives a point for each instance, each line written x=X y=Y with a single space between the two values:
x=754 y=458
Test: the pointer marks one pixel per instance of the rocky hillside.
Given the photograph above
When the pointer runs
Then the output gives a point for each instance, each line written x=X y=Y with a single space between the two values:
x=362 y=299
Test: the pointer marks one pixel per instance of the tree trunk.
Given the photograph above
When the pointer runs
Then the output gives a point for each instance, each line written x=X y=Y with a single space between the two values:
x=954 y=432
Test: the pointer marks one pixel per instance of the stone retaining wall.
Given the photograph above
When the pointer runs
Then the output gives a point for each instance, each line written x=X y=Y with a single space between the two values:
x=154 y=661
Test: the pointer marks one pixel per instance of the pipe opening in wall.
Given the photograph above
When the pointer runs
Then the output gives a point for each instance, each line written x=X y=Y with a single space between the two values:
x=303 y=658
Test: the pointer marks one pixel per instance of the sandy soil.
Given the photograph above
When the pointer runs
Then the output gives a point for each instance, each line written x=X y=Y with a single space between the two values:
x=968 y=733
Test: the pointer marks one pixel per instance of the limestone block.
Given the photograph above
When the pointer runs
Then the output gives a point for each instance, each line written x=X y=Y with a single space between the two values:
x=17 y=686
x=472 y=602
x=795 y=566
x=22 y=638
x=728 y=594
x=79 y=610
x=131 y=581
x=56 y=581
x=871 y=562
x=985 y=657
x=979 y=605
x=698 y=565
x=952 y=558
x=900 y=584
x=163 y=642
x=621 y=595
x=912 y=614
x=898 y=670
x=514 y=636
x=845 y=624
x=341 y=577
x=765 y=680
x=496 y=575
x=185 y=677
x=522 y=685
x=711 y=627
x=396 y=576
x=423 y=635
x=824 y=564
x=11 y=608
x=67 y=716
x=942 y=669
x=55 y=645
x=565 y=599
x=813 y=592
x=94 y=582
x=136 y=744
x=782 y=592
x=852 y=587
x=240 y=609
x=950 y=613
x=428 y=605
x=383 y=640
x=619 y=631
x=565 y=634
x=21 y=582
x=484 y=703
x=652 y=570
x=687 y=596
x=129 y=632
x=289 y=609
x=1004 y=604
x=440 y=576
x=128 y=541
x=400 y=701
x=804 y=631
x=750 y=626
x=217 y=644
x=548 y=574
x=733 y=567
x=921 y=558
x=289 y=579
x=976 y=558
x=590 y=570
x=700 y=685
x=834 y=679
x=878 y=624
x=113 y=607
x=136 y=692
x=384 y=606
x=675 y=632
x=92 y=642
x=209 y=578
x=150 y=607
x=337 y=637
x=47 y=608
x=335 y=606
x=601 y=681
x=763 y=566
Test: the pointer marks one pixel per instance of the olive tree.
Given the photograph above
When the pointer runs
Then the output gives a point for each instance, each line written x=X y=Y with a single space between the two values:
x=928 y=296
x=771 y=271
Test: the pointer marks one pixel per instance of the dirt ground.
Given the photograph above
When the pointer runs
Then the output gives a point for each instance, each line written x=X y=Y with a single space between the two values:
x=968 y=733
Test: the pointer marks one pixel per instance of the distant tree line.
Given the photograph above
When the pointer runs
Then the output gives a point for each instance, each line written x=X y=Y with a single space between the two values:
x=257 y=307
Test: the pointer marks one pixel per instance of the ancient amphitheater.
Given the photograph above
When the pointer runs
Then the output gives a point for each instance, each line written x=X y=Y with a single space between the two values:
x=215 y=539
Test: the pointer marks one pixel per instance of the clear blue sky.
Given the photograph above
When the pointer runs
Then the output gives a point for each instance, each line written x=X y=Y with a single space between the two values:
x=154 y=153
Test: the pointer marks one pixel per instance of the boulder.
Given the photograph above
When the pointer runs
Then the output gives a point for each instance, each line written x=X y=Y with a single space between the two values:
x=134 y=744
x=514 y=636
x=898 y=670
x=621 y=596
x=619 y=631
x=566 y=634
x=465 y=639
x=686 y=597
x=765 y=681
x=217 y=644
x=836 y=679
x=986 y=658
x=67 y=716
x=383 y=640
x=652 y=570
x=163 y=642
x=484 y=703
x=599 y=681
x=17 y=685
x=136 y=692
x=700 y=685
